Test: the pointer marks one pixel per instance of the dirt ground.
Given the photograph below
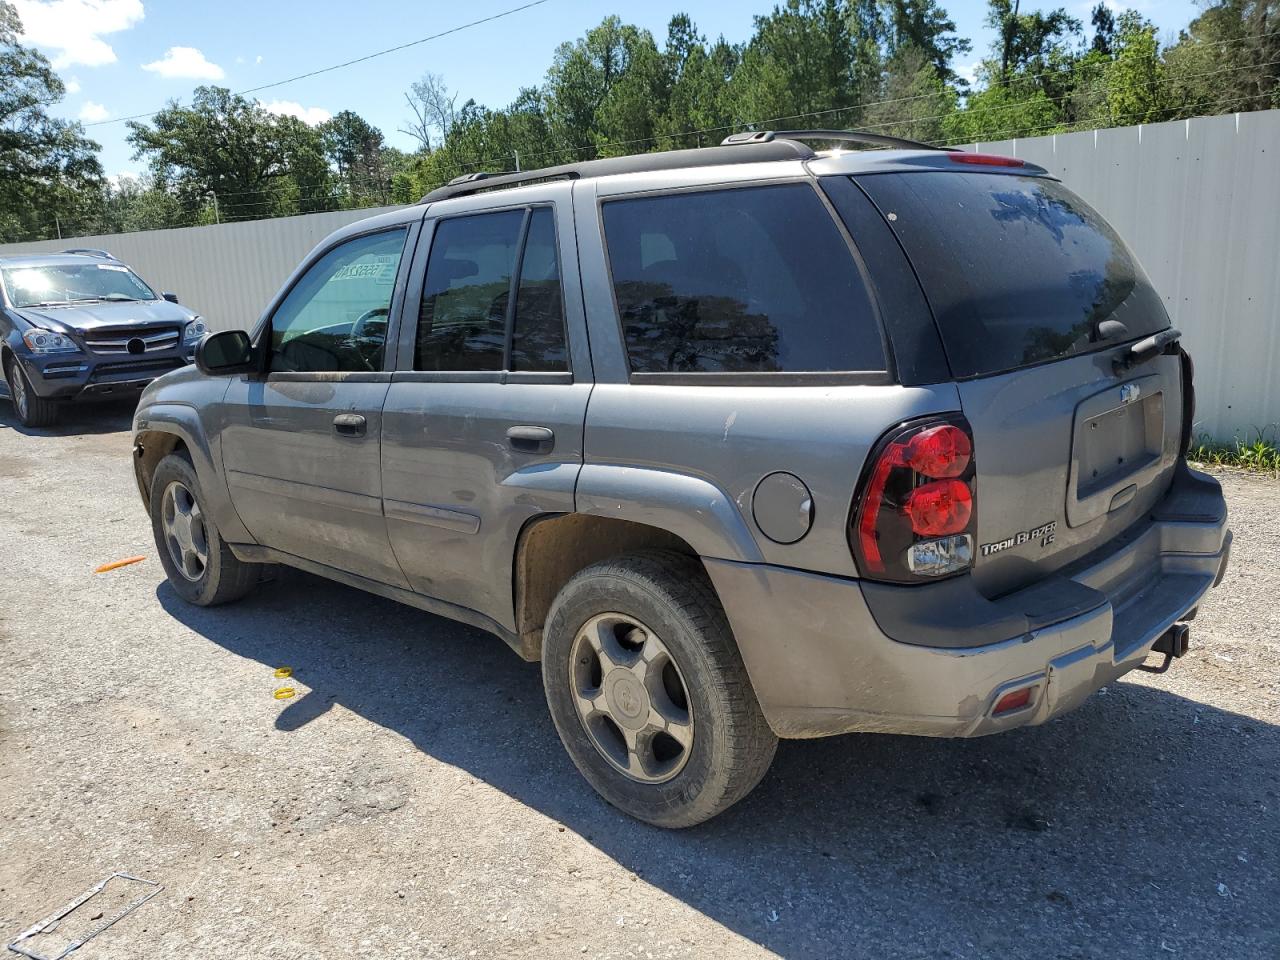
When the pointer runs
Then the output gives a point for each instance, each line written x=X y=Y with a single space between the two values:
x=412 y=800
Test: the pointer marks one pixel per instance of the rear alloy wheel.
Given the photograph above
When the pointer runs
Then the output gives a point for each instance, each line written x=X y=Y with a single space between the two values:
x=201 y=568
x=631 y=698
x=32 y=410
x=648 y=692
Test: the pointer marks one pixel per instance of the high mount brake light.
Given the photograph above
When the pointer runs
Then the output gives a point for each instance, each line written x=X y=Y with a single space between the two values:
x=985 y=160
x=920 y=487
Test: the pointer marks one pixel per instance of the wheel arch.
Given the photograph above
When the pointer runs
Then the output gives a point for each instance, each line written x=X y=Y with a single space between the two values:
x=164 y=427
x=552 y=548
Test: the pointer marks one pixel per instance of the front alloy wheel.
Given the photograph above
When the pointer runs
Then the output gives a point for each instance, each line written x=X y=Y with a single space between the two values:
x=184 y=531
x=200 y=566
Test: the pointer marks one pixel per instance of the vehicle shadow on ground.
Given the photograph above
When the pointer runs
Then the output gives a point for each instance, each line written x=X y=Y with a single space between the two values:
x=1103 y=830
x=105 y=416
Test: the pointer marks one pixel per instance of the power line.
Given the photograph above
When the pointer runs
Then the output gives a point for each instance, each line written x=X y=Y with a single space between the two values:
x=348 y=63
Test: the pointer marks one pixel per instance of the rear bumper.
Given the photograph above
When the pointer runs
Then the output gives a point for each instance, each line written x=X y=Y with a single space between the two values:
x=86 y=377
x=826 y=655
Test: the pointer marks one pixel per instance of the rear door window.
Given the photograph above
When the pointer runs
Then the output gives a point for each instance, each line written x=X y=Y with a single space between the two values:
x=747 y=280
x=467 y=320
x=1018 y=270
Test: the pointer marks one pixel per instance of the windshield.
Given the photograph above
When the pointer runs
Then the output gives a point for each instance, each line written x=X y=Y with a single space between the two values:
x=1018 y=270
x=60 y=283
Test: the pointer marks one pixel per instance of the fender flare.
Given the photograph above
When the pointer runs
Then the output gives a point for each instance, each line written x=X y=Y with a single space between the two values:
x=183 y=421
x=690 y=507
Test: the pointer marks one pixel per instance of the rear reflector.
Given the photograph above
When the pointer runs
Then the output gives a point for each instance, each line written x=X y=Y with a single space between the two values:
x=986 y=160
x=1013 y=701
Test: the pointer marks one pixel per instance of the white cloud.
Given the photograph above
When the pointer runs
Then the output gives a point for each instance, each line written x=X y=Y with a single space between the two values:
x=969 y=71
x=290 y=108
x=72 y=85
x=257 y=60
x=187 y=63
x=93 y=112
x=73 y=29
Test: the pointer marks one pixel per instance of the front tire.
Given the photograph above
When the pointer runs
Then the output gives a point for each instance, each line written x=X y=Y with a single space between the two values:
x=648 y=691
x=200 y=566
x=32 y=410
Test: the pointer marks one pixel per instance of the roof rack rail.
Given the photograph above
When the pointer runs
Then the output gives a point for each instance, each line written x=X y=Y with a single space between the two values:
x=844 y=136
x=763 y=151
x=90 y=252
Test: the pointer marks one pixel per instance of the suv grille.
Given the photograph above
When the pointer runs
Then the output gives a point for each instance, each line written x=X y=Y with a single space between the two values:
x=136 y=342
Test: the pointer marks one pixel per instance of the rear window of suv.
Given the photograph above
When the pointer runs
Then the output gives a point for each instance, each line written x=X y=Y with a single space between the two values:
x=745 y=280
x=1018 y=269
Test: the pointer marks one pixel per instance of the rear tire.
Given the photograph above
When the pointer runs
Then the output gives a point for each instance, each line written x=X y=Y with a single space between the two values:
x=652 y=622
x=32 y=410
x=200 y=566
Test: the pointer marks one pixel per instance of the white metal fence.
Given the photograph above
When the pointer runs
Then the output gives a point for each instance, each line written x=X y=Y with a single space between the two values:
x=227 y=272
x=1198 y=200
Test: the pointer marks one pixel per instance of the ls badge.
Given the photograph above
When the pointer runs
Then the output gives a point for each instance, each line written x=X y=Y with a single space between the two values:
x=1042 y=533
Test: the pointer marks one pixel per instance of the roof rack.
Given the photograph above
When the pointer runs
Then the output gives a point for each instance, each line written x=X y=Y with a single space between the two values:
x=844 y=136
x=761 y=151
x=90 y=252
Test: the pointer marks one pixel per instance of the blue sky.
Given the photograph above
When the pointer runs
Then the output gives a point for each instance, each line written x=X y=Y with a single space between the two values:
x=123 y=57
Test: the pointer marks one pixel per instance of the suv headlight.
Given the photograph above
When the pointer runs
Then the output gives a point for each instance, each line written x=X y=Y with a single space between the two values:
x=196 y=329
x=46 y=341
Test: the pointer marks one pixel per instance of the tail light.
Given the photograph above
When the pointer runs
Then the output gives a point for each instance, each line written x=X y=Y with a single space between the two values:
x=914 y=516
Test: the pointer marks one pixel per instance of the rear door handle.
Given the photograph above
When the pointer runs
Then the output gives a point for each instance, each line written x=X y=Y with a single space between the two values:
x=349 y=425
x=529 y=439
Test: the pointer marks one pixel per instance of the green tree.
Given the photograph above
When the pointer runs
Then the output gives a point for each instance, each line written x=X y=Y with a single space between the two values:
x=801 y=61
x=257 y=164
x=356 y=149
x=1227 y=59
x=48 y=168
x=605 y=88
x=926 y=27
x=913 y=100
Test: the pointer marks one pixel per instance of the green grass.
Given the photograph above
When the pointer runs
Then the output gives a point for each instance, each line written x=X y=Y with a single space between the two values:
x=1259 y=453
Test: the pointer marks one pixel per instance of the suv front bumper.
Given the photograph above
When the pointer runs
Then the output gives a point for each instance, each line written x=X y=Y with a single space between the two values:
x=826 y=654
x=83 y=376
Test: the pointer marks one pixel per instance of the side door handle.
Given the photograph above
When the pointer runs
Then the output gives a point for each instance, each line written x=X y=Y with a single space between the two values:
x=529 y=439
x=349 y=425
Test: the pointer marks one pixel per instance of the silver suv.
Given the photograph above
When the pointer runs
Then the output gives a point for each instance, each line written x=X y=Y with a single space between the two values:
x=741 y=443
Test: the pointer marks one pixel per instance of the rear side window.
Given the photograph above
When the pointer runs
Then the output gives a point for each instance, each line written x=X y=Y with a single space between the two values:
x=1018 y=270
x=466 y=311
x=748 y=280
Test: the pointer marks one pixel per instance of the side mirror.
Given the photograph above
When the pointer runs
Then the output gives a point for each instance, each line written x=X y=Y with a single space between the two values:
x=171 y=297
x=230 y=351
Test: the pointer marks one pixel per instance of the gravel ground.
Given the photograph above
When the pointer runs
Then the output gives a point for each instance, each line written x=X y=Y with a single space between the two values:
x=413 y=800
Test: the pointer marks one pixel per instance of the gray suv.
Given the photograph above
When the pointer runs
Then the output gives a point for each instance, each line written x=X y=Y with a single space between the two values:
x=741 y=443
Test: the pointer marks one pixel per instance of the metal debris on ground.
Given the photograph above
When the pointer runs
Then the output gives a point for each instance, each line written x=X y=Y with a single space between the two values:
x=51 y=922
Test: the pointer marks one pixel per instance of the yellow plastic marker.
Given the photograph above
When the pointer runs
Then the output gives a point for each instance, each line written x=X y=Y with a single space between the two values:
x=284 y=693
x=119 y=563
x=282 y=672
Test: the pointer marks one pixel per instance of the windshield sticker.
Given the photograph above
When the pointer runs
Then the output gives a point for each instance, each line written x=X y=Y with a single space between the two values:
x=112 y=266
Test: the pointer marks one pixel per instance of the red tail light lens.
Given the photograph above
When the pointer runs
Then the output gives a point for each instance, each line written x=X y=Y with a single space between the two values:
x=940 y=507
x=919 y=487
x=985 y=159
x=941 y=451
